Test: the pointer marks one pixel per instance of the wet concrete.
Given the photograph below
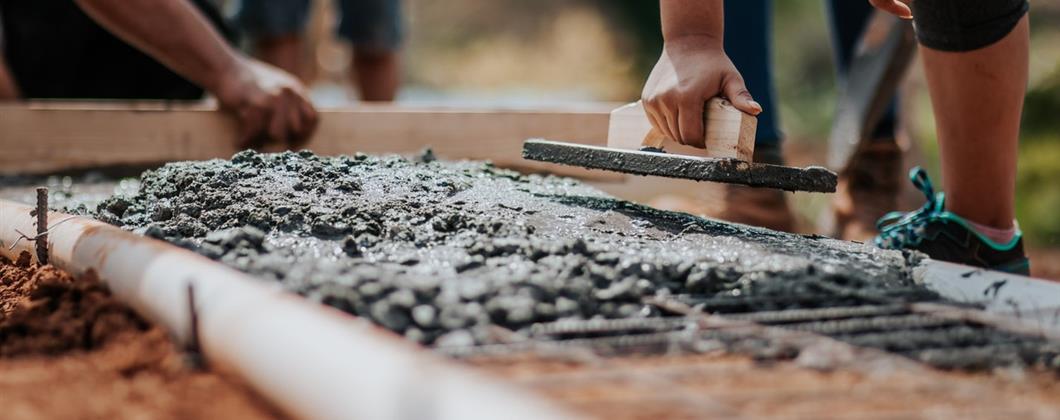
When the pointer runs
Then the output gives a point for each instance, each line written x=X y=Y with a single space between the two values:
x=68 y=192
x=731 y=171
x=455 y=253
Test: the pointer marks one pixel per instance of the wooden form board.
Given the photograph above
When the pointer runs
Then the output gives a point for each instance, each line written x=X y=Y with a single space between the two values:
x=43 y=137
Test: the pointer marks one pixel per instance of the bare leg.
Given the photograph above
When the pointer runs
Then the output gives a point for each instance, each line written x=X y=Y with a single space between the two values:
x=377 y=74
x=284 y=51
x=978 y=99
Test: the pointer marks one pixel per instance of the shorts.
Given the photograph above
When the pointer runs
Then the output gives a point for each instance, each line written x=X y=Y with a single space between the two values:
x=54 y=50
x=375 y=24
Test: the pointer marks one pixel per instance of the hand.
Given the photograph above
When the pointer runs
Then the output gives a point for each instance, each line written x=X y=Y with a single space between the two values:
x=898 y=8
x=690 y=71
x=271 y=105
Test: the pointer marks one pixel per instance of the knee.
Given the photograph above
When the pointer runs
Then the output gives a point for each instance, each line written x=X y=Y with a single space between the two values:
x=965 y=25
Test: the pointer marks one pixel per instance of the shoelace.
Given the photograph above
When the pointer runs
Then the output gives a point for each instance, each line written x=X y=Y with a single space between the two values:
x=902 y=230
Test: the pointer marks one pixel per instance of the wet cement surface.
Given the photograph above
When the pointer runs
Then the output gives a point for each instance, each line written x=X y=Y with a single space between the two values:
x=454 y=253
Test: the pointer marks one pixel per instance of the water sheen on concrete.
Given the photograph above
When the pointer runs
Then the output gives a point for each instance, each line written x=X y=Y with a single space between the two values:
x=455 y=253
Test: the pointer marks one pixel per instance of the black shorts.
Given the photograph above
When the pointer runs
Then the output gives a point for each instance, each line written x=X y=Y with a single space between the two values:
x=55 y=51
x=965 y=25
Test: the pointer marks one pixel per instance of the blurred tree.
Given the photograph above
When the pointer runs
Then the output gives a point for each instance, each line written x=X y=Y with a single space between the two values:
x=1042 y=108
x=640 y=21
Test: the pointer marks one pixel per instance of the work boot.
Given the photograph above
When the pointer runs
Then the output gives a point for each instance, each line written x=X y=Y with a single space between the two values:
x=945 y=236
x=760 y=207
x=868 y=188
x=763 y=207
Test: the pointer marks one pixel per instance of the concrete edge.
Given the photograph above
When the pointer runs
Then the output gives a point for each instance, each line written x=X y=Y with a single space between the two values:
x=1032 y=302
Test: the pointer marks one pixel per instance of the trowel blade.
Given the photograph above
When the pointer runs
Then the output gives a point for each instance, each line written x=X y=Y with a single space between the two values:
x=731 y=171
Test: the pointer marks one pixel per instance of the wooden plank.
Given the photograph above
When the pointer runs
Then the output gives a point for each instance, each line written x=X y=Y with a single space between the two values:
x=728 y=132
x=42 y=137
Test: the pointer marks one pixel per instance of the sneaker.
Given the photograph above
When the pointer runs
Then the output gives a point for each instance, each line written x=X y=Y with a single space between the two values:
x=868 y=189
x=945 y=236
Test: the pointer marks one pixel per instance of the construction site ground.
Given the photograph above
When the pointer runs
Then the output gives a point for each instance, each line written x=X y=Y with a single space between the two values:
x=730 y=386
x=70 y=350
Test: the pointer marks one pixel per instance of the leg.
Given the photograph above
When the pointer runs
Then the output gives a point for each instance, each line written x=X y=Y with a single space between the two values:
x=377 y=74
x=276 y=28
x=848 y=20
x=976 y=61
x=869 y=185
x=283 y=51
x=978 y=100
x=748 y=32
x=748 y=35
x=375 y=29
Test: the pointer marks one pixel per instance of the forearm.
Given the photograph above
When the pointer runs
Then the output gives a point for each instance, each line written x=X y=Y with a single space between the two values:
x=8 y=88
x=704 y=19
x=174 y=33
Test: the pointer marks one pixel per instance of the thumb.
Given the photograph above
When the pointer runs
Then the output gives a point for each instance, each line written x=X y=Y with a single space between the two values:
x=735 y=90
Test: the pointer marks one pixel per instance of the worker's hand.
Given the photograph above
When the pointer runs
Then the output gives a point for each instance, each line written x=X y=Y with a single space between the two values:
x=898 y=8
x=690 y=71
x=271 y=105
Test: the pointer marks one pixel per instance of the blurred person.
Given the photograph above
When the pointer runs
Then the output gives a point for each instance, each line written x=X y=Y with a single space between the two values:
x=975 y=54
x=148 y=49
x=374 y=27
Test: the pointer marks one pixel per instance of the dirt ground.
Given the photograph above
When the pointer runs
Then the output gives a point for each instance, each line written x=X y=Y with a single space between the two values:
x=1045 y=263
x=69 y=350
x=729 y=386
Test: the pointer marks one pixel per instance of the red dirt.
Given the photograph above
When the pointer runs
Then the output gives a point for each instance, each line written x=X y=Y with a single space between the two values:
x=68 y=349
x=732 y=386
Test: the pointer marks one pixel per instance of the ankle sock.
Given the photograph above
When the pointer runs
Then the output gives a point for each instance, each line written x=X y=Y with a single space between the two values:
x=1000 y=236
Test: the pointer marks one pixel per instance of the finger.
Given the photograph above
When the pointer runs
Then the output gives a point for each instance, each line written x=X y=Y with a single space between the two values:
x=656 y=119
x=690 y=123
x=277 y=122
x=308 y=118
x=894 y=7
x=667 y=117
x=312 y=117
x=736 y=91
x=295 y=125
x=251 y=128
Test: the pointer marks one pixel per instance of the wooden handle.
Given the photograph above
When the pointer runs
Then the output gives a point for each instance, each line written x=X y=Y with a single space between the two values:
x=728 y=132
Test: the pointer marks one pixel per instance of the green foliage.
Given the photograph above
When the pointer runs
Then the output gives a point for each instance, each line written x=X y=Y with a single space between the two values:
x=1038 y=191
x=1041 y=114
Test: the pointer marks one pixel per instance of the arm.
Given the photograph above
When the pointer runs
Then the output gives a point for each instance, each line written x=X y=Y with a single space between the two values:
x=692 y=69
x=8 y=88
x=269 y=103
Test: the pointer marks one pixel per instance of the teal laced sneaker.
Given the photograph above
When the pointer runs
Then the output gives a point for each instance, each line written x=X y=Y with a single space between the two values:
x=945 y=236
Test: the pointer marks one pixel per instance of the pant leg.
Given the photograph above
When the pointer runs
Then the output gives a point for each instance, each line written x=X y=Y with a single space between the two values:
x=273 y=18
x=848 y=19
x=377 y=25
x=748 y=34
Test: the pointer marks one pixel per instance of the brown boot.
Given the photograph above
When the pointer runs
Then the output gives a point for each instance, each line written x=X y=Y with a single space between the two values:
x=868 y=188
x=762 y=207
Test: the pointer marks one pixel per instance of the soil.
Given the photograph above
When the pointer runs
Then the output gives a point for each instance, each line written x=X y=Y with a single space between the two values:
x=443 y=251
x=68 y=349
x=732 y=386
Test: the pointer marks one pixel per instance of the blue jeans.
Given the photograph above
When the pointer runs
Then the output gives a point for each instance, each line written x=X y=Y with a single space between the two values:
x=375 y=24
x=748 y=42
